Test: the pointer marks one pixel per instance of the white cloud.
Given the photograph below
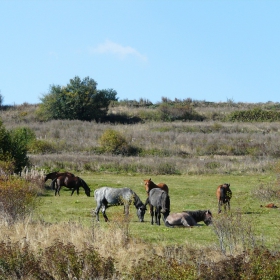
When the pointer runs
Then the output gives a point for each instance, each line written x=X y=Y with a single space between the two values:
x=117 y=49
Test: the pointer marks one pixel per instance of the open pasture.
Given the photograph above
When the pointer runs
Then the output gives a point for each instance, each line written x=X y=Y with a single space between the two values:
x=191 y=192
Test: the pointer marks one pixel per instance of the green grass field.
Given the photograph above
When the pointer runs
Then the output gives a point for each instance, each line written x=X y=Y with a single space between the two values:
x=186 y=193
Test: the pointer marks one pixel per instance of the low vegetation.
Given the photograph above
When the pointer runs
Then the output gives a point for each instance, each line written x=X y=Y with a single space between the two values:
x=192 y=146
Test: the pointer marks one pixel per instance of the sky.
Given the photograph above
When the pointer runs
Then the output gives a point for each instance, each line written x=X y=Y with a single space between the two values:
x=216 y=51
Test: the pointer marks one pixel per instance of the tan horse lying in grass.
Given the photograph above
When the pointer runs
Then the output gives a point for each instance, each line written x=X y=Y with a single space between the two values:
x=189 y=218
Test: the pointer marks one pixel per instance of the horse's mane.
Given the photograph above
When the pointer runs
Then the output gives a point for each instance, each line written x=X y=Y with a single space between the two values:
x=84 y=184
x=198 y=214
x=137 y=201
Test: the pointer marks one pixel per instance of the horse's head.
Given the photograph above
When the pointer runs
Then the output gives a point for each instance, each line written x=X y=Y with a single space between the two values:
x=85 y=186
x=147 y=183
x=141 y=213
x=208 y=217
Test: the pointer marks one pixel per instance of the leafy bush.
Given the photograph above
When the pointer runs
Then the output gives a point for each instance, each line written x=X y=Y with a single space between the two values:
x=178 y=112
x=112 y=141
x=13 y=146
x=254 y=115
x=163 y=269
x=40 y=147
x=17 y=199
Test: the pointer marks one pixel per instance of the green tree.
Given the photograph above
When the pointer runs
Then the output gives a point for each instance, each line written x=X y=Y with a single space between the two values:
x=79 y=100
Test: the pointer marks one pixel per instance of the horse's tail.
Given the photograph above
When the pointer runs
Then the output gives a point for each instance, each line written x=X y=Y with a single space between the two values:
x=222 y=193
x=147 y=202
x=53 y=184
x=165 y=203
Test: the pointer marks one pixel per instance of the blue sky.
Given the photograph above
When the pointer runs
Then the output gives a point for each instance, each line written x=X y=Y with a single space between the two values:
x=204 y=50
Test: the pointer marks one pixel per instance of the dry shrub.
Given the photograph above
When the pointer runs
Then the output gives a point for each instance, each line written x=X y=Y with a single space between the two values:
x=266 y=193
x=6 y=169
x=257 y=264
x=17 y=199
x=59 y=261
x=234 y=232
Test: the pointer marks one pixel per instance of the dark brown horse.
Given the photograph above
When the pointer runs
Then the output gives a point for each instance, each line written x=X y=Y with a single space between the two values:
x=149 y=185
x=73 y=183
x=54 y=175
x=224 y=195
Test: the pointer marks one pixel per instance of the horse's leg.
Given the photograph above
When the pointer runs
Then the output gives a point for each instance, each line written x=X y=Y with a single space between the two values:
x=73 y=191
x=157 y=214
x=57 y=189
x=97 y=209
x=228 y=205
x=219 y=206
x=184 y=222
x=152 y=214
x=103 y=210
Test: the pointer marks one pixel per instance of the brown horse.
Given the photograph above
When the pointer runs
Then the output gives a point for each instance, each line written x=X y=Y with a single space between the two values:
x=73 y=183
x=149 y=185
x=224 y=195
x=270 y=205
x=54 y=175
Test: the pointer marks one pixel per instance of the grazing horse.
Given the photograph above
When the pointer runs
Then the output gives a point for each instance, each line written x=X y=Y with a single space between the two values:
x=55 y=175
x=73 y=183
x=159 y=200
x=189 y=218
x=224 y=195
x=106 y=197
x=149 y=185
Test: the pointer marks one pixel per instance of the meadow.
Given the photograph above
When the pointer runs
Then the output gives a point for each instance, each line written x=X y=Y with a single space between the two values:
x=191 y=192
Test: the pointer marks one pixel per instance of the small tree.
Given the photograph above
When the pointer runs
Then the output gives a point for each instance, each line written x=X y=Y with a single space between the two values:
x=79 y=100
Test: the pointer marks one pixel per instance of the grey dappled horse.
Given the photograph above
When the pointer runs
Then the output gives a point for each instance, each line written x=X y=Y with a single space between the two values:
x=189 y=218
x=159 y=200
x=107 y=196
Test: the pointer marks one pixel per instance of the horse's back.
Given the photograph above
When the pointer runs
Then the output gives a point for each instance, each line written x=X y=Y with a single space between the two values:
x=113 y=195
x=156 y=195
x=164 y=187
